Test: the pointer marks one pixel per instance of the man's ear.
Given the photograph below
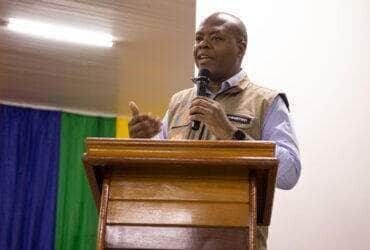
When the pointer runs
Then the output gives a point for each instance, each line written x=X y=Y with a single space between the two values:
x=242 y=45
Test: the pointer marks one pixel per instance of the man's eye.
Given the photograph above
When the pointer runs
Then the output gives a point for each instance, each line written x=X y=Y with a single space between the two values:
x=198 y=39
x=216 y=38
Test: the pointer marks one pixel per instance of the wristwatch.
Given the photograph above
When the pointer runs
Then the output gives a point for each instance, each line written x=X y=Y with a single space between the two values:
x=239 y=135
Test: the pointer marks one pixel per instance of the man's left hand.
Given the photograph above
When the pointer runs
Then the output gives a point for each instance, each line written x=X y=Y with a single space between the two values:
x=213 y=115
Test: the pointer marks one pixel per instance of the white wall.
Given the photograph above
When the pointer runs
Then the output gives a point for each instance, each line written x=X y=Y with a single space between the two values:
x=318 y=52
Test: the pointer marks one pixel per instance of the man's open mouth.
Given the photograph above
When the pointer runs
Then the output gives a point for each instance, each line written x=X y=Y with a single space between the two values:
x=204 y=58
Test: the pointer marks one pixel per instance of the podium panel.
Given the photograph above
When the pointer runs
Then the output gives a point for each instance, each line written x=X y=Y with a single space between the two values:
x=180 y=194
x=205 y=238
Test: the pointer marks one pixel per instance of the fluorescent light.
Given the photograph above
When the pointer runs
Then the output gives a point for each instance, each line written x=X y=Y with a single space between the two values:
x=60 y=33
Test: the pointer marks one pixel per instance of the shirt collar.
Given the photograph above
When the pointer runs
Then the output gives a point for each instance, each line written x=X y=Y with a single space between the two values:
x=235 y=79
x=229 y=83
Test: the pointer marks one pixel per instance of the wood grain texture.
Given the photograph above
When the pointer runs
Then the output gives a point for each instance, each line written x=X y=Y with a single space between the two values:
x=178 y=149
x=178 y=213
x=252 y=228
x=100 y=239
x=188 y=162
x=129 y=188
x=135 y=237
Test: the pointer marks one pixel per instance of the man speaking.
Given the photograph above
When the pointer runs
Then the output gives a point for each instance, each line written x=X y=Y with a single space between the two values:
x=232 y=107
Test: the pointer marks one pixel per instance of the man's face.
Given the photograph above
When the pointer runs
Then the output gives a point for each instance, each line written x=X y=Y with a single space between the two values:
x=217 y=50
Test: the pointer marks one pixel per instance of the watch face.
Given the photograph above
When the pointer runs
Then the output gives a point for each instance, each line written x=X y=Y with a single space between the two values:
x=239 y=135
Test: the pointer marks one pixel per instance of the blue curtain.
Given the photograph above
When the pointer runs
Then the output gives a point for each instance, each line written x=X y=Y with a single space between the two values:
x=29 y=155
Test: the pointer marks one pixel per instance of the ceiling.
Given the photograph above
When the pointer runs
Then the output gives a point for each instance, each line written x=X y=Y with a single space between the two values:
x=151 y=59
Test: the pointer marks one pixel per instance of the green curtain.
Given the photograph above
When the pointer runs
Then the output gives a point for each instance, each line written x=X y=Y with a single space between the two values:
x=77 y=216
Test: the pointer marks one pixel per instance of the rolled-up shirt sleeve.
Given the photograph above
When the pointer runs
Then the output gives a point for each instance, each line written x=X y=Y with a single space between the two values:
x=277 y=127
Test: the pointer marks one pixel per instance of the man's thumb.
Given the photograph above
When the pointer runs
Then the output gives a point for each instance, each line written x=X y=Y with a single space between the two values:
x=134 y=108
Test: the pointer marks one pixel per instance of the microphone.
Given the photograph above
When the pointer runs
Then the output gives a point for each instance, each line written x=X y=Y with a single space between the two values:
x=201 y=81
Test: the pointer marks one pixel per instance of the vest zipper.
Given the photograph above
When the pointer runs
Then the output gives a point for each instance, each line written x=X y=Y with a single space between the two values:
x=218 y=94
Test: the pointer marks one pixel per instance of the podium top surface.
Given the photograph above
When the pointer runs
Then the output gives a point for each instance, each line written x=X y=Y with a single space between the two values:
x=204 y=159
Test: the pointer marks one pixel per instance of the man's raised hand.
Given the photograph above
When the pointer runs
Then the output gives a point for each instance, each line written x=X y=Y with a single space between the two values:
x=142 y=125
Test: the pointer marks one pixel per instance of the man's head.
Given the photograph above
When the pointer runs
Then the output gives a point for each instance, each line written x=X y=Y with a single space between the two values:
x=220 y=44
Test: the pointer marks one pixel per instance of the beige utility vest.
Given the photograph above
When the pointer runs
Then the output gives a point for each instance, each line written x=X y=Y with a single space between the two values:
x=245 y=105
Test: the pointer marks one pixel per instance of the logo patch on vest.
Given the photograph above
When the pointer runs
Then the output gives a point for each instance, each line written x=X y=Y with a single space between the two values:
x=180 y=121
x=177 y=119
x=240 y=119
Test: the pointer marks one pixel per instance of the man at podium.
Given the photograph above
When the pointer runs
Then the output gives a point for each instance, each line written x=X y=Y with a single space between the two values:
x=233 y=108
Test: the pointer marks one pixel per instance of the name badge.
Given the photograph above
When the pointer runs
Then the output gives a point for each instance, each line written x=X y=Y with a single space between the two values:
x=240 y=119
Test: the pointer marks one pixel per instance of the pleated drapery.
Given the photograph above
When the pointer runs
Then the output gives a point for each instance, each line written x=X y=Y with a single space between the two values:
x=76 y=213
x=45 y=199
x=29 y=155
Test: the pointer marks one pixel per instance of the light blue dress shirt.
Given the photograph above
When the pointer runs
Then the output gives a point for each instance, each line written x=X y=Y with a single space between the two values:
x=277 y=127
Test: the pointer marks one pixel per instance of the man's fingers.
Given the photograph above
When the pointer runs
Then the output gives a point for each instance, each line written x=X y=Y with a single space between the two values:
x=145 y=125
x=202 y=98
x=198 y=117
x=134 y=108
x=157 y=122
x=142 y=125
x=143 y=134
x=199 y=110
x=201 y=102
x=137 y=119
x=143 y=131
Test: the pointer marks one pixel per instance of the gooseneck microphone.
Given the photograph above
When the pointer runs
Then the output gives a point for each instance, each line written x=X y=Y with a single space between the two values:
x=201 y=81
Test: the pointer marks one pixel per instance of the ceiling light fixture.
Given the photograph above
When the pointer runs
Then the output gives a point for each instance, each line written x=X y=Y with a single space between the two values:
x=60 y=33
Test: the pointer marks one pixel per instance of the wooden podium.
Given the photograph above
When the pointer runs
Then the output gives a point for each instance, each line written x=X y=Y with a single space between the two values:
x=162 y=194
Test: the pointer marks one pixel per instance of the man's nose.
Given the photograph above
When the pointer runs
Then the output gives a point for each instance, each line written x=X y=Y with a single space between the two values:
x=203 y=44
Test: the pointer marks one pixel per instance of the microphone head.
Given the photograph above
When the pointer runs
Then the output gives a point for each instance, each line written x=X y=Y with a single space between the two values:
x=204 y=73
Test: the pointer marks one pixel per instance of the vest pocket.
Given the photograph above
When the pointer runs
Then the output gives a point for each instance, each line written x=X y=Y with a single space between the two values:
x=178 y=131
x=179 y=125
